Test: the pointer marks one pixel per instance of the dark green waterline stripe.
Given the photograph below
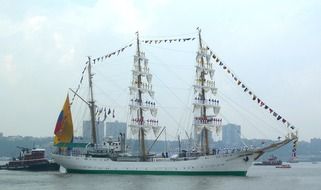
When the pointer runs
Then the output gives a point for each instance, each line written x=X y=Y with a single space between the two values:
x=135 y=172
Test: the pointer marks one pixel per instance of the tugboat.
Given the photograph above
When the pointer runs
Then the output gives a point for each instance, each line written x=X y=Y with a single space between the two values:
x=31 y=160
x=272 y=161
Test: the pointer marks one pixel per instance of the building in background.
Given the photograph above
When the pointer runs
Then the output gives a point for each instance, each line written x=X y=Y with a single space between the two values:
x=86 y=131
x=231 y=135
x=113 y=129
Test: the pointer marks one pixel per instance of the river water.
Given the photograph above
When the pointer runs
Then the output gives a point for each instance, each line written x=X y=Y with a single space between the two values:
x=305 y=176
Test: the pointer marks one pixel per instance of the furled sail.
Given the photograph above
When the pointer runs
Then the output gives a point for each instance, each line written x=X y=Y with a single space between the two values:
x=142 y=84
x=64 y=127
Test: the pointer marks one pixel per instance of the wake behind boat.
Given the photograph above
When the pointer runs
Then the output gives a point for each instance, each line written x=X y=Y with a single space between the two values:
x=113 y=157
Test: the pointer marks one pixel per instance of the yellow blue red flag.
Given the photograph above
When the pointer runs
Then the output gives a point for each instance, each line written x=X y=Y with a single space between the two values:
x=64 y=127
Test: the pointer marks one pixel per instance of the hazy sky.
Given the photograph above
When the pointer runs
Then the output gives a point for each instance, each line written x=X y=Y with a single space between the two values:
x=273 y=46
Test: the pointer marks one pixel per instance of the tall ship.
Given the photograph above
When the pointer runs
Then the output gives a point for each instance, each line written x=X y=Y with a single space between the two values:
x=113 y=157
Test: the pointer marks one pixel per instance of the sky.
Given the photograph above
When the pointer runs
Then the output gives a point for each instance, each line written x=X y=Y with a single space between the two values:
x=272 y=46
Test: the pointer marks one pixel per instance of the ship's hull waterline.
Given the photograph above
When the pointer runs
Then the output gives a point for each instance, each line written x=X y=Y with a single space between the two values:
x=235 y=164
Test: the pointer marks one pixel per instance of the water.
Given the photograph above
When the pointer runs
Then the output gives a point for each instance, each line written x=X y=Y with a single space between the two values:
x=301 y=176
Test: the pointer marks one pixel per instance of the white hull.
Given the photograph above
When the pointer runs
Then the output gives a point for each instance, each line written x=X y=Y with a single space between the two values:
x=221 y=164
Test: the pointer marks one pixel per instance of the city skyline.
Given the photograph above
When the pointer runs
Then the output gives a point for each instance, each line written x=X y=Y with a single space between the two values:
x=231 y=134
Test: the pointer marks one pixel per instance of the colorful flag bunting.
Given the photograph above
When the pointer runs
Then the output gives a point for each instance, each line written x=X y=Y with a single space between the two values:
x=260 y=102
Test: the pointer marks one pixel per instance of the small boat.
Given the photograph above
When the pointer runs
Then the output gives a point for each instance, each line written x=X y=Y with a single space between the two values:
x=284 y=166
x=31 y=160
x=272 y=161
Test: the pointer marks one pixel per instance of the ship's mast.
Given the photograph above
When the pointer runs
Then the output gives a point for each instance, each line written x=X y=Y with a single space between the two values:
x=204 y=133
x=141 y=133
x=92 y=104
x=140 y=103
x=203 y=122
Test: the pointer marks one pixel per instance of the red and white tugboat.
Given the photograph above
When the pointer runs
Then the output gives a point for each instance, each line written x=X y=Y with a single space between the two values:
x=31 y=160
